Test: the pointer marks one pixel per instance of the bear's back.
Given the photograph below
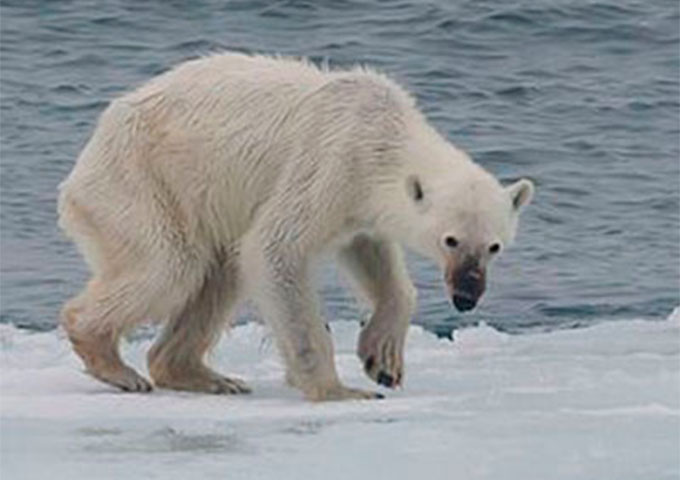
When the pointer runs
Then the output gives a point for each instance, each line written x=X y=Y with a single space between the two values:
x=229 y=81
x=225 y=130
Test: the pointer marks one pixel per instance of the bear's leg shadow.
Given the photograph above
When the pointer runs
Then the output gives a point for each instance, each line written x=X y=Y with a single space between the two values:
x=378 y=271
x=176 y=361
x=277 y=279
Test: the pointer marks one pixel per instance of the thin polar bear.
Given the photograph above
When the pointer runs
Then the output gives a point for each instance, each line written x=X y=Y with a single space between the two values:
x=224 y=178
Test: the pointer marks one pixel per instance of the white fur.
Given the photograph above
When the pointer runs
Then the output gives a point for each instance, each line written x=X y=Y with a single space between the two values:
x=225 y=177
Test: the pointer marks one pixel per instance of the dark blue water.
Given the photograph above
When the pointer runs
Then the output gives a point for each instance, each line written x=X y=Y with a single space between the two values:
x=582 y=96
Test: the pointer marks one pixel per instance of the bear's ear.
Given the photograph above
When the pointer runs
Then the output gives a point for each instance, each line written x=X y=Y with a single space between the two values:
x=521 y=193
x=415 y=189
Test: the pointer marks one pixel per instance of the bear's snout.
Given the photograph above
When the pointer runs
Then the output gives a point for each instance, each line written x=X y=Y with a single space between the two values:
x=466 y=283
x=463 y=303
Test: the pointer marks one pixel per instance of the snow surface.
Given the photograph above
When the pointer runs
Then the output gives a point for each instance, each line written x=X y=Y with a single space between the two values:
x=596 y=403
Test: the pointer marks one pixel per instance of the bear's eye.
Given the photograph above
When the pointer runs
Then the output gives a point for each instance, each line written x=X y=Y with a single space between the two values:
x=495 y=248
x=451 y=242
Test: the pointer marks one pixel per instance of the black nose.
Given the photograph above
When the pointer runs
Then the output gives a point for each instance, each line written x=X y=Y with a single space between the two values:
x=464 y=303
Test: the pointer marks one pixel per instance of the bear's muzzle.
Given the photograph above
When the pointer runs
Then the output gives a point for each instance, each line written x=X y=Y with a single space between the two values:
x=465 y=282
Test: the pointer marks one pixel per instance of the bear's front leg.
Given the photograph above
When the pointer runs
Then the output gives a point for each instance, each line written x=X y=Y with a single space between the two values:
x=377 y=268
x=277 y=278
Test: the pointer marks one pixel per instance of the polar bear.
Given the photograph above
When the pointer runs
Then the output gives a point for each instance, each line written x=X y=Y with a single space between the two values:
x=226 y=177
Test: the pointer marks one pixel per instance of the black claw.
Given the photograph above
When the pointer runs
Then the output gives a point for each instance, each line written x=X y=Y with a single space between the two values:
x=369 y=364
x=385 y=379
x=379 y=396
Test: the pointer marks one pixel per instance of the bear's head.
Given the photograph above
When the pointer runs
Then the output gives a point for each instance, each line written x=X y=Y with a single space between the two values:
x=459 y=215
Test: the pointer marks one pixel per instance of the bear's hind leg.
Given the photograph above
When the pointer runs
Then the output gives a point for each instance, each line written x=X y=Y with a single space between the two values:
x=176 y=361
x=94 y=322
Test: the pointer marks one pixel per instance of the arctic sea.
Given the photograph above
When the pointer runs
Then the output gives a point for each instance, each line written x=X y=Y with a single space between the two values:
x=583 y=97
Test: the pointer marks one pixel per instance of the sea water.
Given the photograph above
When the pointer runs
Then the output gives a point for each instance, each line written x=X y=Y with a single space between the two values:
x=582 y=97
